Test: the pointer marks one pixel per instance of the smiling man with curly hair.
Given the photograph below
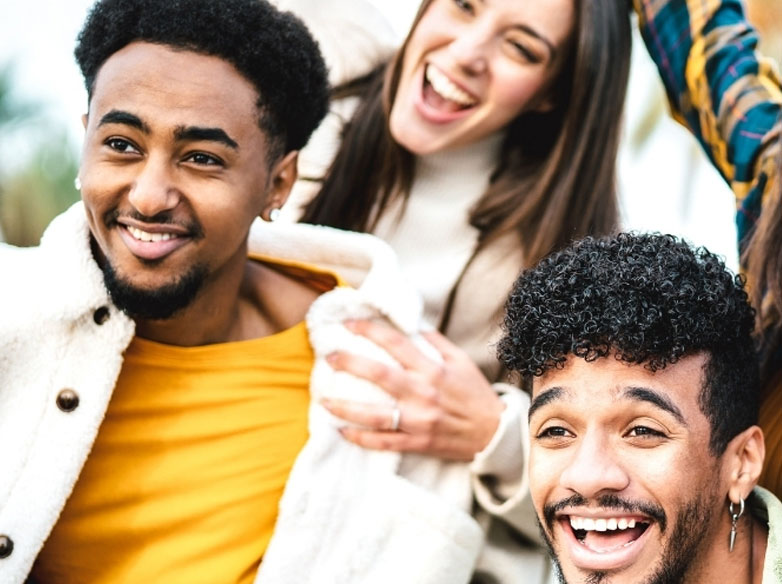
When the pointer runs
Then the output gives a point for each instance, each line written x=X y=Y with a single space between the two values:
x=645 y=451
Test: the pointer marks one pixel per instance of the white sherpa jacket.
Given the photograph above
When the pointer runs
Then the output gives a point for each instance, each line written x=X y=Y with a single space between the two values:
x=348 y=515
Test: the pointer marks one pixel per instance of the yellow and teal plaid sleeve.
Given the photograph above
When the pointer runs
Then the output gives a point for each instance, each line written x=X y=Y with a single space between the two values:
x=722 y=89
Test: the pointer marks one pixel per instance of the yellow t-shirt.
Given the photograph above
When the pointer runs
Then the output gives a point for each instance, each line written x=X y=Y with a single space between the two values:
x=184 y=478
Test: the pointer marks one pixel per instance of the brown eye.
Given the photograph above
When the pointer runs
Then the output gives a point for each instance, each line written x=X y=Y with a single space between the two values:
x=204 y=159
x=464 y=6
x=121 y=145
x=644 y=432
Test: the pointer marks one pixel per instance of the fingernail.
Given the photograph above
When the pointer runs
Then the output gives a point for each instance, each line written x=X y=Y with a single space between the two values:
x=351 y=325
x=331 y=358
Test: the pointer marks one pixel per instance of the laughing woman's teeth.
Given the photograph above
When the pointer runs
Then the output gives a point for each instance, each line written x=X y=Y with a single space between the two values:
x=149 y=237
x=447 y=90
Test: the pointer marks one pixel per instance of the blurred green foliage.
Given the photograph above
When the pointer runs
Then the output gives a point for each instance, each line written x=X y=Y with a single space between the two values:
x=39 y=184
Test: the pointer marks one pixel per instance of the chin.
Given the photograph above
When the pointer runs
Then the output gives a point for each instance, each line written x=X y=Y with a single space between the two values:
x=157 y=303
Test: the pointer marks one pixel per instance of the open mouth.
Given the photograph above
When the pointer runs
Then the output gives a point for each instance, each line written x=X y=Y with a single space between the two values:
x=154 y=243
x=141 y=235
x=441 y=93
x=607 y=534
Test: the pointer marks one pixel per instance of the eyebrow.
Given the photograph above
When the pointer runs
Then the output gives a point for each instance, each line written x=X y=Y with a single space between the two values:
x=181 y=133
x=125 y=118
x=544 y=398
x=196 y=133
x=533 y=33
x=644 y=394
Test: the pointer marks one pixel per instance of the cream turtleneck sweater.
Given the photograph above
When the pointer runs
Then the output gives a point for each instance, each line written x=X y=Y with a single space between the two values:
x=433 y=238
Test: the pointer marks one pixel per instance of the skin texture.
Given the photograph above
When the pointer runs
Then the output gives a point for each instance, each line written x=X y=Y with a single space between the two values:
x=614 y=440
x=173 y=147
x=503 y=54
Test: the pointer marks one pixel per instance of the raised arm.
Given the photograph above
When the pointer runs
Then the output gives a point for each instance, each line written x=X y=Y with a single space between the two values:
x=722 y=89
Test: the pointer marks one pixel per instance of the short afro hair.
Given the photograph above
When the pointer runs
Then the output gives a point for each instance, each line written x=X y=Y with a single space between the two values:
x=645 y=299
x=272 y=49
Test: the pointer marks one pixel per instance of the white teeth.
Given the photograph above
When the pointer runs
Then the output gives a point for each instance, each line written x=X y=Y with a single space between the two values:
x=149 y=237
x=445 y=89
x=610 y=524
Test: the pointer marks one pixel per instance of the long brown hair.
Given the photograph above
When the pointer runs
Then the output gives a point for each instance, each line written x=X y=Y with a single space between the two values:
x=555 y=177
x=762 y=261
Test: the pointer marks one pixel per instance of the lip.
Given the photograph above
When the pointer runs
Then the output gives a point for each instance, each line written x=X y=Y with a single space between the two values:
x=152 y=250
x=431 y=114
x=586 y=559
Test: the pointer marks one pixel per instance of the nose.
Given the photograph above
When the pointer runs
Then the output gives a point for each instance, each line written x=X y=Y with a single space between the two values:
x=470 y=49
x=153 y=190
x=594 y=469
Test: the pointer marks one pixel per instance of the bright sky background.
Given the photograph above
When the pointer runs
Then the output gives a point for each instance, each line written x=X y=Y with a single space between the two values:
x=666 y=184
x=39 y=36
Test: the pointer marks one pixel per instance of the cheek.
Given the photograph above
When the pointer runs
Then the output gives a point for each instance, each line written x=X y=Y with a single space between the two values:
x=544 y=470
x=515 y=92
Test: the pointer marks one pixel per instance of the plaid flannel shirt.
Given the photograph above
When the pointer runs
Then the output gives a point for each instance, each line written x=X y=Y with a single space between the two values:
x=727 y=94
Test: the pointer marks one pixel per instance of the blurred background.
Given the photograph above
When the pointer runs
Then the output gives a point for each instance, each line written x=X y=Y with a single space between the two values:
x=42 y=100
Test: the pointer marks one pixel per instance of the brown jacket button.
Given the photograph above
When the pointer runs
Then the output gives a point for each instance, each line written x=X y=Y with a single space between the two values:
x=101 y=315
x=67 y=400
x=6 y=546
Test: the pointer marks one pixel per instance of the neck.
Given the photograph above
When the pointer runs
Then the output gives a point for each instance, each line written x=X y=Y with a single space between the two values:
x=480 y=156
x=743 y=565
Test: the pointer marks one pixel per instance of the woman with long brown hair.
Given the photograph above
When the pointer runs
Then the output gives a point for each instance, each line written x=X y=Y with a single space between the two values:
x=486 y=141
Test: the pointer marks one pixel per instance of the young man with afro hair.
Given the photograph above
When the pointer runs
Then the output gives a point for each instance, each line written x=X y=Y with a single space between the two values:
x=645 y=450
x=163 y=351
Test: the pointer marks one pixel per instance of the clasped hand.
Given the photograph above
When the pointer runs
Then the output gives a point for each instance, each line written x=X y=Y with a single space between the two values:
x=446 y=409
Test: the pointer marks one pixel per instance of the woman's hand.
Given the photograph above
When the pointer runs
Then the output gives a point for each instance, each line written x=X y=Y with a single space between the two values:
x=447 y=409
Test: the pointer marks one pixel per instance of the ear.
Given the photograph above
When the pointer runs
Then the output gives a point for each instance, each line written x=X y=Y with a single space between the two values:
x=84 y=120
x=744 y=457
x=282 y=177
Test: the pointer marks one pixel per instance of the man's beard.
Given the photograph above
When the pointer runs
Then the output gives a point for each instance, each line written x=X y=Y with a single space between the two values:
x=677 y=555
x=158 y=304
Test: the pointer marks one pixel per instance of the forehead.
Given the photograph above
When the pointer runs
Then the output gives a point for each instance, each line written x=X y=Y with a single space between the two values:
x=552 y=18
x=164 y=85
x=602 y=387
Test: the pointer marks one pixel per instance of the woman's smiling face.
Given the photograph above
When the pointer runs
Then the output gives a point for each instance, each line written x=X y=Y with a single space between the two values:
x=471 y=66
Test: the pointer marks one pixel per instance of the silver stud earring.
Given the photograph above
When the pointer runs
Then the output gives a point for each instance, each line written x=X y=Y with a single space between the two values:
x=77 y=183
x=274 y=214
x=734 y=518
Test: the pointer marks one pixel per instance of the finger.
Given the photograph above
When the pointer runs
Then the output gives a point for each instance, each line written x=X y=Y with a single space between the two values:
x=362 y=414
x=395 y=343
x=401 y=442
x=374 y=440
x=394 y=381
x=443 y=345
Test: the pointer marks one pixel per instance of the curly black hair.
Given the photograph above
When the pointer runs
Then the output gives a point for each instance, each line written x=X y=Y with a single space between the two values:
x=272 y=49
x=646 y=299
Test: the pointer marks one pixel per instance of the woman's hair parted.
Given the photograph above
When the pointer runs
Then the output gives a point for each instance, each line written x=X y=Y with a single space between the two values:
x=555 y=178
x=271 y=49
x=643 y=299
